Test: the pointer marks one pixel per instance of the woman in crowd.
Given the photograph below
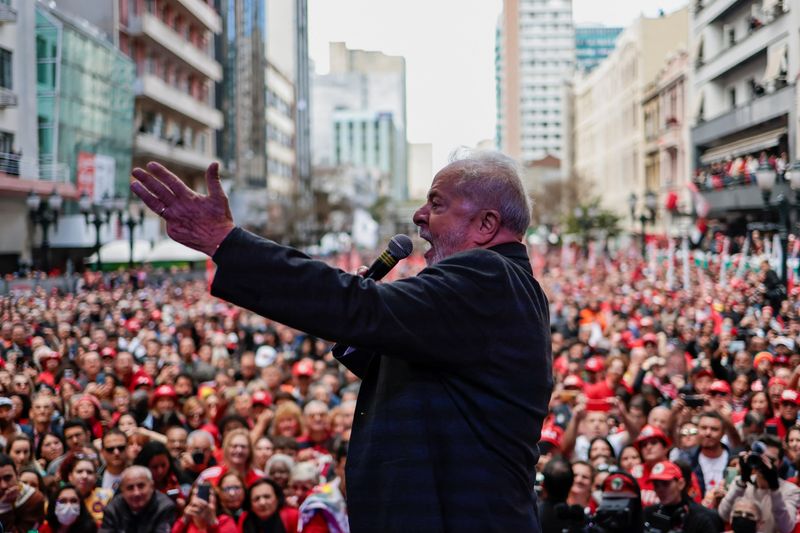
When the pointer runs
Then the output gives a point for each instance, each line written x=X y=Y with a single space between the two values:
x=50 y=447
x=288 y=421
x=266 y=510
x=262 y=451
x=67 y=513
x=203 y=514
x=279 y=468
x=582 y=484
x=19 y=449
x=80 y=471
x=630 y=458
x=600 y=452
x=232 y=492
x=136 y=442
x=31 y=477
x=237 y=456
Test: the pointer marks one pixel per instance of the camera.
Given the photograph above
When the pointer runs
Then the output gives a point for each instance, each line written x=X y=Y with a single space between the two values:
x=617 y=515
x=757 y=449
x=694 y=401
x=198 y=457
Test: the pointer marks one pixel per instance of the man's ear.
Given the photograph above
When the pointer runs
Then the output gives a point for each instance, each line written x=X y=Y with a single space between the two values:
x=488 y=224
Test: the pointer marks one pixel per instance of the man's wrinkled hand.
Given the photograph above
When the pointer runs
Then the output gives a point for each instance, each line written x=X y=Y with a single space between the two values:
x=200 y=222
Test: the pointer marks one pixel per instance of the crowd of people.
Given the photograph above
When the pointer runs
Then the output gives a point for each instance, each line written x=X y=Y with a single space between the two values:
x=141 y=405
x=738 y=171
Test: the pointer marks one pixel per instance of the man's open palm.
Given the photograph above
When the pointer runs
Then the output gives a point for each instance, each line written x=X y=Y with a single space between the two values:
x=194 y=220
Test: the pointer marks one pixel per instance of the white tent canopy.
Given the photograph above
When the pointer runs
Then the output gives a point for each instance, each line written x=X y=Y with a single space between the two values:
x=169 y=250
x=119 y=252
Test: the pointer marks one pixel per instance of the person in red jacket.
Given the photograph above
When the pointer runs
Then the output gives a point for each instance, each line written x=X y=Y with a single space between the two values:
x=266 y=510
x=787 y=413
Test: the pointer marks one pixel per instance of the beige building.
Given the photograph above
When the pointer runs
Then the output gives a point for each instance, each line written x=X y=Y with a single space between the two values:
x=609 y=151
x=667 y=146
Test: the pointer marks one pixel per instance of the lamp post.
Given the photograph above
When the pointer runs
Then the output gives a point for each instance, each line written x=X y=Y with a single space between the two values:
x=647 y=216
x=128 y=217
x=766 y=177
x=97 y=215
x=44 y=213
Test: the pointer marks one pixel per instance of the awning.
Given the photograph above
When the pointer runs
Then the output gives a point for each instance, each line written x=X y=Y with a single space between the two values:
x=171 y=251
x=119 y=252
x=752 y=144
x=698 y=105
x=776 y=61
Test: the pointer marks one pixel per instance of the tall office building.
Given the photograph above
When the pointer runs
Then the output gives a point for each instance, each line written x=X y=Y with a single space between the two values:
x=172 y=44
x=534 y=55
x=593 y=44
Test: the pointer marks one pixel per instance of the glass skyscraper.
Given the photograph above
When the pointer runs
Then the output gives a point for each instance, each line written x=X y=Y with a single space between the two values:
x=593 y=44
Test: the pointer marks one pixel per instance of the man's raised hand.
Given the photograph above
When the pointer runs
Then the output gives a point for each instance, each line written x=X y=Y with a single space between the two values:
x=194 y=220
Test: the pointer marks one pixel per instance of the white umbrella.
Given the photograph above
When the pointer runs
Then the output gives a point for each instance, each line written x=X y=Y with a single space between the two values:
x=169 y=250
x=119 y=252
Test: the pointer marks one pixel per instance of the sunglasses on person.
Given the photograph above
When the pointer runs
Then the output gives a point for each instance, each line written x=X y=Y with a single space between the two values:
x=688 y=432
x=112 y=449
x=744 y=514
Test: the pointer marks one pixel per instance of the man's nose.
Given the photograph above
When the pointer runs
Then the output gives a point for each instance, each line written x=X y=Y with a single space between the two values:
x=420 y=215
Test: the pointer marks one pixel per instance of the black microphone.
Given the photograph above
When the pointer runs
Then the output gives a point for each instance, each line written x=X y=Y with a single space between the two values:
x=399 y=248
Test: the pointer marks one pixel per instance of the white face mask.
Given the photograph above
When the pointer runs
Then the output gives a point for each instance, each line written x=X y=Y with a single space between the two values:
x=67 y=513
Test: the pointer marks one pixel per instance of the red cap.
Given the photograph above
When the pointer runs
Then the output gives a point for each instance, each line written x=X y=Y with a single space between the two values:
x=573 y=381
x=261 y=397
x=594 y=364
x=133 y=325
x=791 y=396
x=108 y=351
x=650 y=337
x=701 y=371
x=165 y=391
x=618 y=485
x=651 y=432
x=598 y=405
x=776 y=381
x=781 y=359
x=665 y=471
x=142 y=380
x=88 y=398
x=156 y=314
x=552 y=434
x=303 y=368
x=720 y=386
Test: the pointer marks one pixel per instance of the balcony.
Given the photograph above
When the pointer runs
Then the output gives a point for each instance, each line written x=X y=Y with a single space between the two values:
x=203 y=13
x=150 y=146
x=744 y=198
x=711 y=11
x=150 y=26
x=755 y=112
x=156 y=89
x=744 y=49
x=7 y=13
x=8 y=98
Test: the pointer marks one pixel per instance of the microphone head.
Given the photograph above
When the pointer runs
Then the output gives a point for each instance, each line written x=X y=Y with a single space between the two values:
x=400 y=246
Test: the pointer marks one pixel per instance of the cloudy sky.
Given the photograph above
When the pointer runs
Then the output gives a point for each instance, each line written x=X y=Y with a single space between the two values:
x=449 y=51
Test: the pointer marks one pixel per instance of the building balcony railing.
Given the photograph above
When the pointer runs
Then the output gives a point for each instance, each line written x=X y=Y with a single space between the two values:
x=711 y=10
x=156 y=89
x=152 y=27
x=8 y=98
x=745 y=48
x=7 y=13
x=742 y=198
x=754 y=112
x=150 y=145
x=204 y=14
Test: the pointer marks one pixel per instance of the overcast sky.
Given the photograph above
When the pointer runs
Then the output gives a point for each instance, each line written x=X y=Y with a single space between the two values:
x=449 y=51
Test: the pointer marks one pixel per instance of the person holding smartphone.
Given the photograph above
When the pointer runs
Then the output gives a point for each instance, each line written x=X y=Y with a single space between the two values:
x=201 y=513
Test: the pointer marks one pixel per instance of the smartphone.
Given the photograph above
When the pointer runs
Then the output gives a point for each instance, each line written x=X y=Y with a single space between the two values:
x=174 y=493
x=68 y=373
x=731 y=474
x=204 y=491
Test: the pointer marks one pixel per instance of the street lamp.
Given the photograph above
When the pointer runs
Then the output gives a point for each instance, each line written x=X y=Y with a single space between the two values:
x=44 y=213
x=766 y=177
x=98 y=215
x=648 y=216
x=129 y=217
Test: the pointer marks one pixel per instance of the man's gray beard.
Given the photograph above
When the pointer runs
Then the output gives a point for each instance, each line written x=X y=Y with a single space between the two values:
x=448 y=245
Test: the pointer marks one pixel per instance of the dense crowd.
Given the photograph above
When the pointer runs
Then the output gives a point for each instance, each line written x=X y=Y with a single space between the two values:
x=144 y=404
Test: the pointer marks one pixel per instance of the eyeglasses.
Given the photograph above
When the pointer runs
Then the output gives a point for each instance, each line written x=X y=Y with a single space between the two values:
x=86 y=456
x=743 y=514
x=68 y=501
x=718 y=393
x=788 y=404
x=120 y=449
x=231 y=490
x=689 y=432
x=650 y=442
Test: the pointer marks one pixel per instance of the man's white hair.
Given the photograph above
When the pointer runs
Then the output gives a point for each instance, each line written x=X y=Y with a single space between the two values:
x=136 y=470
x=201 y=434
x=490 y=179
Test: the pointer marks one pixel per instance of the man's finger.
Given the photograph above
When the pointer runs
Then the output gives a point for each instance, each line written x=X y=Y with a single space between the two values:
x=156 y=205
x=213 y=183
x=154 y=186
x=169 y=179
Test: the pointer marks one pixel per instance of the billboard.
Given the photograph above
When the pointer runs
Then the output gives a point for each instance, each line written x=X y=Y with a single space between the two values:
x=96 y=175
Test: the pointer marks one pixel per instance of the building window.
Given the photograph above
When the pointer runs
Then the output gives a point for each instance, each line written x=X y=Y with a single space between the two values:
x=6 y=138
x=732 y=97
x=5 y=68
x=731 y=36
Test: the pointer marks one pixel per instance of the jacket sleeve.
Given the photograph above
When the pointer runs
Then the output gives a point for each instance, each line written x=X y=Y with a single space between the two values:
x=785 y=502
x=420 y=319
x=356 y=360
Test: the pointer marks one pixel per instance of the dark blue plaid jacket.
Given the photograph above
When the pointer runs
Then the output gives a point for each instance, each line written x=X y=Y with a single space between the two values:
x=456 y=373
